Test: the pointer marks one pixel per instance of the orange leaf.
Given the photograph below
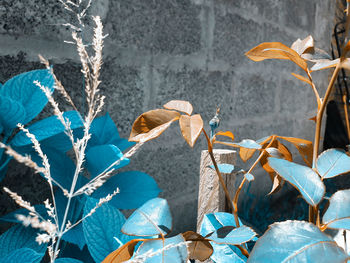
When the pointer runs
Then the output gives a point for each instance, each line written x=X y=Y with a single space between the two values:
x=281 y=150
x=199 y=248
x=302 y=78
x=226 y=133
x=313 y=118
x=275 y=50
x=180 y=105
x=304 y=147
x=151 y=124
x=191 y=127
x=246 y=153
x=123 y=253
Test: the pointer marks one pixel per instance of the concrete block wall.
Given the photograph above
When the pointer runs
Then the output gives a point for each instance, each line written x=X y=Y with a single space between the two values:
x=158 y=50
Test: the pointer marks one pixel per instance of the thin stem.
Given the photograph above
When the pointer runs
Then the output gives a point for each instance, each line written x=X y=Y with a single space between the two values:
x=243 y=250
x=345 y=101
x=235 y=199
x=221 y=179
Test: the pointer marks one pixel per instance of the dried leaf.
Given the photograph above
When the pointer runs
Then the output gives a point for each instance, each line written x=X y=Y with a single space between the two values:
x=151 y=124
x=302 y=78
x=191 y=127
x=180 y=105
x=277 y=183
x=199 y=248
x=301 y=46
x=246 y=153
x=226 y=133
x=276 y=149
x=315 y=55
x=275 y=50
x=325 y=63
x=123 y=253
x=304 y=147
x=313 y=118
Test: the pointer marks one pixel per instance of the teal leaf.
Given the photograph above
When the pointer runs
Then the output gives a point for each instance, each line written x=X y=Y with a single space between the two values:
x=332 y=162
x=215 y=221
x=101 y=157
x=22 y=255
x=296 y=241
x=177 y=254
x=22 y=89
x=75 y=236
x=338 y=212
x=249 y=144
x=224 y=168
x=18 y=237
x=226 y=254
x=301 y=177
x=232 y=235
x=135 y=188
x=222 y=253
x=11 y=217
x=151 y=219
x=102 y=228
x=46 y=128
x=104 y=131
x=249 y=177
x=68 y=260
x=11 y=113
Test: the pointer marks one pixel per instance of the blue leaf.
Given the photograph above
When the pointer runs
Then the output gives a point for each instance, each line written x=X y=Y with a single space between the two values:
x=301 y=177
x=226 y=254
x=231 y=235
x=46 y=128
x=224 y=168
x=135 y=188
x=222 y=253
x=18 y=237
x=99 y=158
x=296 y=241
x=68 y=260
x=11 y=113
x=22 y=255
x=332 y=162
x=101 y=229
x=176 y=254
x=104 y=131
x=215 y=221
x=22 y=89
x=11 y=217
x=338 y=212
x=248 y=143
x=75 y=236
x=151 y=219
x=249 y=177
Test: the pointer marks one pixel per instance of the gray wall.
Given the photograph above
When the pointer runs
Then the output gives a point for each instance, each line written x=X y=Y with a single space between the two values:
x=158 y=50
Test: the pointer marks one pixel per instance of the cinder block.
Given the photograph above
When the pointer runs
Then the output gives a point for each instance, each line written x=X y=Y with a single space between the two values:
x=44 y=20
x=205 y=90
x=233 y=36
x=161 y=26
x=124 y=90
x=299 y=14
x=253 y=95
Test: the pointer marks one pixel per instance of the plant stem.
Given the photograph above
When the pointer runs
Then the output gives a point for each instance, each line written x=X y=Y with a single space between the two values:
x=345 y=101
x=243 y=250
x=235 y=199
x=221 y=179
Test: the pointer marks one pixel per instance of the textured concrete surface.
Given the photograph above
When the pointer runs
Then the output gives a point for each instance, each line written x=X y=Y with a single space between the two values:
x=177 y=49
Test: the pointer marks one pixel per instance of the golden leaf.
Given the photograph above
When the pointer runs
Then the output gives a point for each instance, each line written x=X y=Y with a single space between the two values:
x=304 y=147
x=123 y=253
x=275 y=50
x=191 y=127
x=180 y=105
x=151 y=124
x=302 y=78
x=199 y=248
x=226 y=133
